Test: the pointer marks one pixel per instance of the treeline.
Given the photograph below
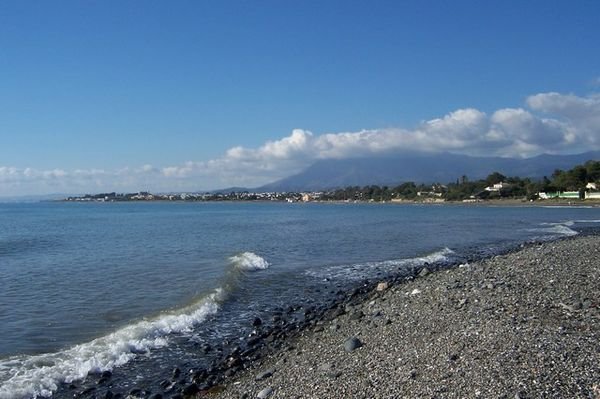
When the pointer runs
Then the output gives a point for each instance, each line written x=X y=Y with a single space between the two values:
x=573 y=179
x=463 y=188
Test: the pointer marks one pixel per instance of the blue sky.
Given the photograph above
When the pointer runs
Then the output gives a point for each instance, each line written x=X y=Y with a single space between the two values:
x=191 y=95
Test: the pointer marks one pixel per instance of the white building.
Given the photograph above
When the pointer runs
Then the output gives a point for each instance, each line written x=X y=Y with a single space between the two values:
x=497 y=187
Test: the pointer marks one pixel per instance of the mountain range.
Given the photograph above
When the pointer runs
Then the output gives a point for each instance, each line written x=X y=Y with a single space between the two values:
x=419 y=168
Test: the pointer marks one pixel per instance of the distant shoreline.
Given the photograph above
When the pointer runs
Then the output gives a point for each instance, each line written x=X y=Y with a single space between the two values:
x=494 y=202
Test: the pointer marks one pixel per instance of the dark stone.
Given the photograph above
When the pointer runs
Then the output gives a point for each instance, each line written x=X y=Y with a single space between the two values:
x=351 y=344
x=164 y=384
x=191 y=389
x=109 y=395
x=338 y=312
x=453 y=357
x=230 y=372
x=199 y=375
x=211 y=379
x=248 y=352
x=106 y=374
x=265 y=393
x=357 y=315
x=204 y=387
x=176 y=373
x=521 y=395
x=424 y=272
x=265 y=374
x=234 y=361
x=270 y=338
x=135 y=392
x=256 y=322
x=156 y=396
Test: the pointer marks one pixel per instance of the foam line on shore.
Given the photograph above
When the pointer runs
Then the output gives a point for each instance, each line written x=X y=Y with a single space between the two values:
x=358 y=271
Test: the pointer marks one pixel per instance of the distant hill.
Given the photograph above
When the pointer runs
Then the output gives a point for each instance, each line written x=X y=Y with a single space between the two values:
x=420 y=168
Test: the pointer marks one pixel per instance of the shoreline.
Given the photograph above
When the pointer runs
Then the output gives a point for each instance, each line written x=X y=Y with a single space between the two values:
x=488 y=203
x=309 y=341
x=521 y=324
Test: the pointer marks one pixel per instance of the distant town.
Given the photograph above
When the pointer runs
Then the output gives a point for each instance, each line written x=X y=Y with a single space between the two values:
x=580 y=183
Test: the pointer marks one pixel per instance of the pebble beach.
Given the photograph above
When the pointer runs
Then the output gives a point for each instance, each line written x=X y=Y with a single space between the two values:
x=520 y=325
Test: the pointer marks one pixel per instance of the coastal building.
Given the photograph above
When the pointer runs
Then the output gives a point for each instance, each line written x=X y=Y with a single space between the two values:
x=592 y=195
x=559 y=194
x=496 y=187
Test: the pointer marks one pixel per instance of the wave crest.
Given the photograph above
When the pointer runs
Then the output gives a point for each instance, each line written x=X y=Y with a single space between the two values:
x=39 y=375
x=560 y=229
x=359 y=271
x=249 y=261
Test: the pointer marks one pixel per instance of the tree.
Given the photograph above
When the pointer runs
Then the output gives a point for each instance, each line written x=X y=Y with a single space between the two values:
x=495 y=178
x=593 y=171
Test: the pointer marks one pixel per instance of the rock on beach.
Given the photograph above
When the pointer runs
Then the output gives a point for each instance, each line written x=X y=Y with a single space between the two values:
x=521 y=325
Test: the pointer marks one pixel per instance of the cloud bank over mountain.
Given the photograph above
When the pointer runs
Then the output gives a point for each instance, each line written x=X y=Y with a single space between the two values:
x=551 y=123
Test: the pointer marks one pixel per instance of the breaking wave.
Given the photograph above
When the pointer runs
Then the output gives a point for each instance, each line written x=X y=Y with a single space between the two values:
x=39 y=375
x=359 y=271
x=249 y=261
x=558 y=229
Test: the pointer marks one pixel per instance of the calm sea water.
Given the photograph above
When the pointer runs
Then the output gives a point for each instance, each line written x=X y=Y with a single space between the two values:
x=92 y=287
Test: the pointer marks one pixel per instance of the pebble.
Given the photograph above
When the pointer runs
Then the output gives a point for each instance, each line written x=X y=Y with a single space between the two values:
x=424 y=272
x=382 y=286
x=352 y=344
x=265 y=393
x=265 y=374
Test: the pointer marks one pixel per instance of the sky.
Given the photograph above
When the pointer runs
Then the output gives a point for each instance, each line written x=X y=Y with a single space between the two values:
x=167 y=96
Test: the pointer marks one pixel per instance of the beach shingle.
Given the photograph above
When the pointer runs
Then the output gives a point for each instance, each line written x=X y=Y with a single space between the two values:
x=522 y=325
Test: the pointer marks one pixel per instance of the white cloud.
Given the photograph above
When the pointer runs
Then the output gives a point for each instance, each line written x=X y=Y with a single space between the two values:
x=554 y=123
x=581 y=116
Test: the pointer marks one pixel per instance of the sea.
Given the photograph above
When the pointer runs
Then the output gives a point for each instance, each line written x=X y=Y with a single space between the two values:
x=136 y=288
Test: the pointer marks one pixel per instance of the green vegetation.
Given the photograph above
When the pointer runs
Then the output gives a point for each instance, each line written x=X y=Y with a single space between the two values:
x=495 y=186
x=574 y=179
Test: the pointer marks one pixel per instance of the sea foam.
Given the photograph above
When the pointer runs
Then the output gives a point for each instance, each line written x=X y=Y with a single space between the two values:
x=560 y=229
x=249 y=261
x=359 y=271
x=40 y=375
